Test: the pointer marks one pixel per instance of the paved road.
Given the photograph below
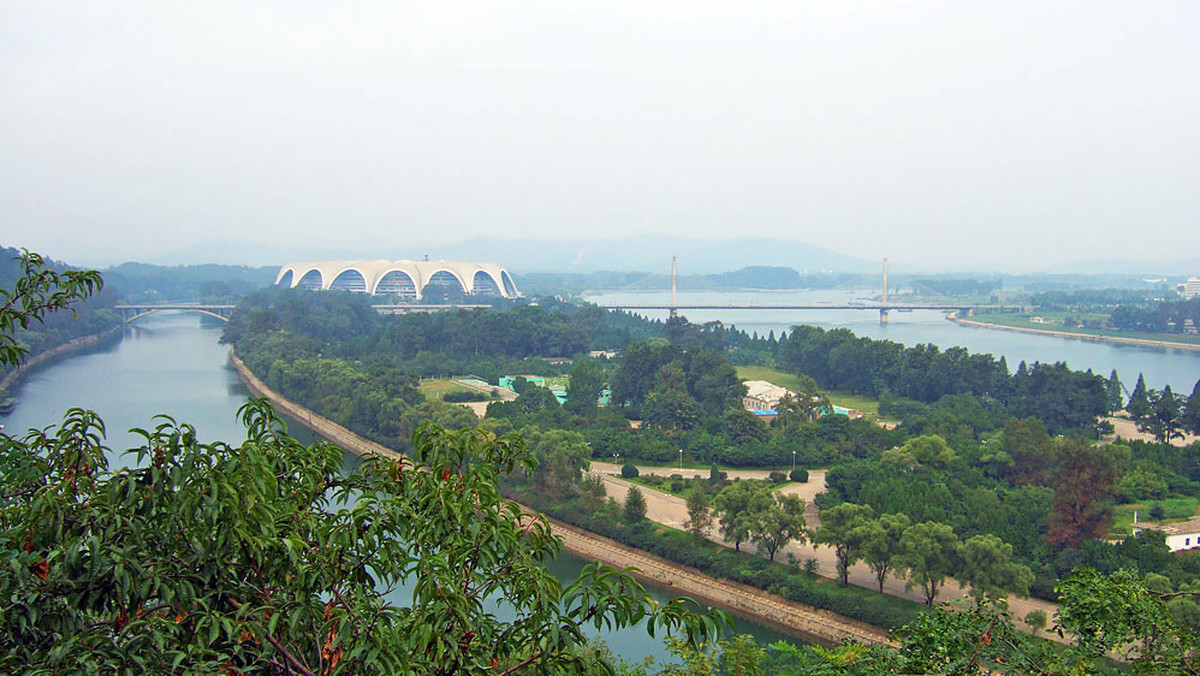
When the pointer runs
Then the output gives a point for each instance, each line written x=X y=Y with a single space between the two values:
x=671 y=510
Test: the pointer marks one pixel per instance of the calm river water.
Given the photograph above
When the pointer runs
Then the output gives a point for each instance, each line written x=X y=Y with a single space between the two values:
x=1178 y=368
x=173 y=364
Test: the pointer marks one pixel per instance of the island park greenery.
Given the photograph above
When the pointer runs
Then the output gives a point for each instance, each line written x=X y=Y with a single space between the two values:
x=281 y=572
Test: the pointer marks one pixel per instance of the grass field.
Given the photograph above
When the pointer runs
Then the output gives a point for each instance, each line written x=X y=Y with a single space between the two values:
x=1176 y=509
x=434 y=388
x=792 y=382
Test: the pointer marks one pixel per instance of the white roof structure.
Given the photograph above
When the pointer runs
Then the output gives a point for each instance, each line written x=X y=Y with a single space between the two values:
x=762 y=395
x=407 y=280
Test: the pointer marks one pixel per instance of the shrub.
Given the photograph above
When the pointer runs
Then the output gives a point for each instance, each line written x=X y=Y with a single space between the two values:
x=799 y=475
x=629 y=470
x=778 y=477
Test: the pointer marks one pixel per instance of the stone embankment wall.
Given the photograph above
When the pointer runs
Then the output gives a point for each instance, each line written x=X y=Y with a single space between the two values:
x=1120 y=340
x=819 y=624
x=42 y=357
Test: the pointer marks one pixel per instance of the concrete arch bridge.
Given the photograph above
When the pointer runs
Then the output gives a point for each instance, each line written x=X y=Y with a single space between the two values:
x=131 y=312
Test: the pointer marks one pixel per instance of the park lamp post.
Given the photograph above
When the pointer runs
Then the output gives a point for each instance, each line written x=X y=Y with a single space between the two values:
x=681 y=460
x=793 y=460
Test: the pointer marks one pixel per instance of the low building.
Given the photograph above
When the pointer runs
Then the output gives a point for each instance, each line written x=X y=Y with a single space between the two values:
x=1180 y=535
x=1190 y=289
x=763 y=396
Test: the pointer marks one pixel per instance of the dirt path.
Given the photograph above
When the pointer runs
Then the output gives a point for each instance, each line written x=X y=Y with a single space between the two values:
x=1124 y=428
x=671 y=510
x=820 y=624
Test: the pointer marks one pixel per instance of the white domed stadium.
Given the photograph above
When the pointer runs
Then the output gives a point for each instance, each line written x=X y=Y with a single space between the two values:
x=404 y=280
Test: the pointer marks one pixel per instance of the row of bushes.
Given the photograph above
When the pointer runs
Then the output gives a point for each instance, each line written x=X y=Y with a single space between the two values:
x=721 y=562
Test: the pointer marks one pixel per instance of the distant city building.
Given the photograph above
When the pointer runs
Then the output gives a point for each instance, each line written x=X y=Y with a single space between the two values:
x=403 y=280
x=1190 y=289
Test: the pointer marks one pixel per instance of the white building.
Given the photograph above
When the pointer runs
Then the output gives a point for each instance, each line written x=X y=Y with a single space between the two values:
x=763 y=396
x=1190 y=289
x=1180 y=535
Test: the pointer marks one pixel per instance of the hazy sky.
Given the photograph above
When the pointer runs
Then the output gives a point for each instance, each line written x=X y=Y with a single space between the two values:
x=1006 y=134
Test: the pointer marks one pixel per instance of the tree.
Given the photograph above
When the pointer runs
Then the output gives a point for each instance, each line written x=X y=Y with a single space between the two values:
x=744 y=427
x=584 y=387
x=270 y=557
x=930 y=556
x=780 y=523
x=1081 y=507
x=805 y=405
x=1139 y=402
x=670 y=410
x=1115 y=391
x=986 y=565
x=737 y=506
x=844 y=527
x=1036 y=620
x=1165 y=417
x=881 y=545
x=699 y=516
x=635 y=505
x=39 y=292
x=1190 y=417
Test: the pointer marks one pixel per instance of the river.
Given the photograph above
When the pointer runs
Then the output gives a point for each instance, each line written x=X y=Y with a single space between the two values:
x=173 y=364
x=1178 y=368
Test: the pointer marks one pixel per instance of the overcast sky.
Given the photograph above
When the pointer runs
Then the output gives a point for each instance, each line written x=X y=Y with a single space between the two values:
x=1003 y=134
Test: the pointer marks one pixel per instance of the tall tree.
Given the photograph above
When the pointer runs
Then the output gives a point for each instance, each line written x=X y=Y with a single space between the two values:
x=881 y=546
x=699 y=514
x=805 y=405
x=1191 y=411
x=1139 y=402
x=986 y=565
x=584 y=387
x=1115 y=391
x=930 y=556
x=845 y=527
x=635 y=505
x=1081 y=507
x=737 y=506
x=783 y=522
x=1165 y=418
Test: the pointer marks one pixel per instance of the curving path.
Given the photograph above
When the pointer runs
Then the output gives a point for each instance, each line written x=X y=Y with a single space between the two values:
x=671 y=510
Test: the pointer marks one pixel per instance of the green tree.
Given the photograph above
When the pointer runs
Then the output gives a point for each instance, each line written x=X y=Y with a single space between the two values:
x=1139 y=402
x=805 y=405
x=38 y=292
x=1165 y=419
x=845 y=527
x=986 y=565
x=1190 y=418
x=737 y=506
x=881 y=545
x=780 y=523
x=930 y=556
x=271 y=557
x=670 y=410
x=744 y=427
x=699 y=514
x=635 y=505
x=1115 y=392
x=584 y=387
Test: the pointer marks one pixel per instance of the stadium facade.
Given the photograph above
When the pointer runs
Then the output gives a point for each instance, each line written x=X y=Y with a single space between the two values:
x=410 y=281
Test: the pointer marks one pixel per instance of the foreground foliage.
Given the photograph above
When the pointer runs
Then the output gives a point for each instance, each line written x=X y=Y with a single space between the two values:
x=267 y=558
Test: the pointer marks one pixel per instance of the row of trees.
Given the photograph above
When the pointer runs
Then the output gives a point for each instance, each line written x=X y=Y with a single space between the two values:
x=1160 y=317
x=1163 y=413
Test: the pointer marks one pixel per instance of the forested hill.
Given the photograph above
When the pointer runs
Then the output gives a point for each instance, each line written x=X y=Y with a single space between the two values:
x=91 y=316
x=143 y=283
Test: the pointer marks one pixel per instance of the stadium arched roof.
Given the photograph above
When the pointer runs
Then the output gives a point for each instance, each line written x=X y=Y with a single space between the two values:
x=406 y=279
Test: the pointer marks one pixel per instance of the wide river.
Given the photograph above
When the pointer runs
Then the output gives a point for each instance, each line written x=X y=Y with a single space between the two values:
x=172 y=364
x=1178 y=368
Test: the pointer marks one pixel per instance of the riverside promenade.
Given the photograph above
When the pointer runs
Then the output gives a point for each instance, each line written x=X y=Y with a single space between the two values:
x=1119 y=340
x=818 y=624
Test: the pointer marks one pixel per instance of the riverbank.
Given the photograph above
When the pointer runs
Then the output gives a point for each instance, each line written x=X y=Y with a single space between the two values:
x=42 y=358
x=1119 y=340
x=820 y=624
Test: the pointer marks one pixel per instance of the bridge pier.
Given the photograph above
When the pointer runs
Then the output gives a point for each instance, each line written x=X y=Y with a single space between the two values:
x=883 y=316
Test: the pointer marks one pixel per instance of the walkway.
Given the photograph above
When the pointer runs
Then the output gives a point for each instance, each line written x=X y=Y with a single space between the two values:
x=671 y=510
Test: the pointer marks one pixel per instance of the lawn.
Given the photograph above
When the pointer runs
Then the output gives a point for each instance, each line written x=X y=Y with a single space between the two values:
x=792 y=382
x=435 y=388
x=1175 y=509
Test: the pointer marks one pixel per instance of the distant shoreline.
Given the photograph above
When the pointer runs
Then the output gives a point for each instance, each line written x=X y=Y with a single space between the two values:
x=1119 y=340
x=40 y=358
